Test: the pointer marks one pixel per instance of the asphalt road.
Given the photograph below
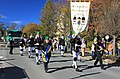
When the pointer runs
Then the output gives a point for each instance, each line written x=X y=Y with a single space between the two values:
x=22 y=67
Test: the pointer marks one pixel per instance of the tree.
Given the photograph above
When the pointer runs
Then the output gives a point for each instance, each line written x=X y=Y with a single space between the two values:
x=63 y=19
x=21 y=27
x=1 y=25
x=41 y=29
x=30 y=28
x=107 y=17
x=48 y=18
x=13 y=26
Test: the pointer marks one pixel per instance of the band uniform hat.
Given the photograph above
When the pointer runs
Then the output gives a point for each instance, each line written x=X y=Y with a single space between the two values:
x=38 y=33
x=46 y=38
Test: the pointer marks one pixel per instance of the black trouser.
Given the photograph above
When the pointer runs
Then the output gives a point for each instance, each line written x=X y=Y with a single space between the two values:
x=45 y=66
x=46 y=63
x=11 y=49
x=98 y=56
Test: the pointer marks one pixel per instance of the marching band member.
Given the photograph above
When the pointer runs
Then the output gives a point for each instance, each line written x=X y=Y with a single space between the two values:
x=98 y=53
x=30 y=46
x=76 y=53
x=62 y=43
x=46 y=53
x=21 y=46
x=38 y=47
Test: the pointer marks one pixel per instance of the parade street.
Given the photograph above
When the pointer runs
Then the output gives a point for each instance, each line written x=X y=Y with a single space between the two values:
x=22 y=67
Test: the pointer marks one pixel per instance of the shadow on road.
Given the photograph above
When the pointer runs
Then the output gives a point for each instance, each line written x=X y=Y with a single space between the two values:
x=59 y=61
x=60 y=56
x=6 y=59
x=15 y=73
x=117 y=63
x=62 y=68
x=85 y=75
x=19 y=53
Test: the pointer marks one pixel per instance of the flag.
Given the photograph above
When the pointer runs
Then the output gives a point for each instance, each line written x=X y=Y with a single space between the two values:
x=79 y=16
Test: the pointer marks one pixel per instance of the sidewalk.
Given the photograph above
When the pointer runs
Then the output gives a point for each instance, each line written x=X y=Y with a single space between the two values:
x=1 y=61
x=1 y=68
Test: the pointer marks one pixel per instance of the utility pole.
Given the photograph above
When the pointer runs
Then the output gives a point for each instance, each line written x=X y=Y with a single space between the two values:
x=114 y=45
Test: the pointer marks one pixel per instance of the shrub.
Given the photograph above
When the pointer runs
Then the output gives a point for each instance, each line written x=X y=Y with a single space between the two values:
x=89 y=44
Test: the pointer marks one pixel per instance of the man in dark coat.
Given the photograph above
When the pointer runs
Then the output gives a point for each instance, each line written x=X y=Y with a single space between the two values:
x=11 y=46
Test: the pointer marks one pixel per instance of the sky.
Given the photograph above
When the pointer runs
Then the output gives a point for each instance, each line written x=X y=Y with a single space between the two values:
x=21 y=11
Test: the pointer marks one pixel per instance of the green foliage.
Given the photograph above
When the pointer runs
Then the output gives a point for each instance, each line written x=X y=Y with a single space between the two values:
x=89 y=44
x=89 y=36
x=65 y=18
x=48 y=18
x=56 y=17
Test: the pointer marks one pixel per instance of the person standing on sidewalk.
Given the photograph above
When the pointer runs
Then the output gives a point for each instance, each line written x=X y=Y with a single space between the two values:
x=110 y=48
x=46 y=53
x=11 y=46
x=118 y=44
x=83 y=46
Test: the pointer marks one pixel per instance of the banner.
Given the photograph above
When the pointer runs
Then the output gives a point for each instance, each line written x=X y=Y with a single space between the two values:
x=79 y=15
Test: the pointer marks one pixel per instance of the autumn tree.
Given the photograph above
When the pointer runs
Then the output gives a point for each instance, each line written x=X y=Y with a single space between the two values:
x=107 y=17
x=30 y=28
x=41 y=29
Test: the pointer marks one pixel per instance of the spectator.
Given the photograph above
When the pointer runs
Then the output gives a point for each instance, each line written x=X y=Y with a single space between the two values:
x=118 y=44
x=11 y=46
x=110 y=48
x=83 y=46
